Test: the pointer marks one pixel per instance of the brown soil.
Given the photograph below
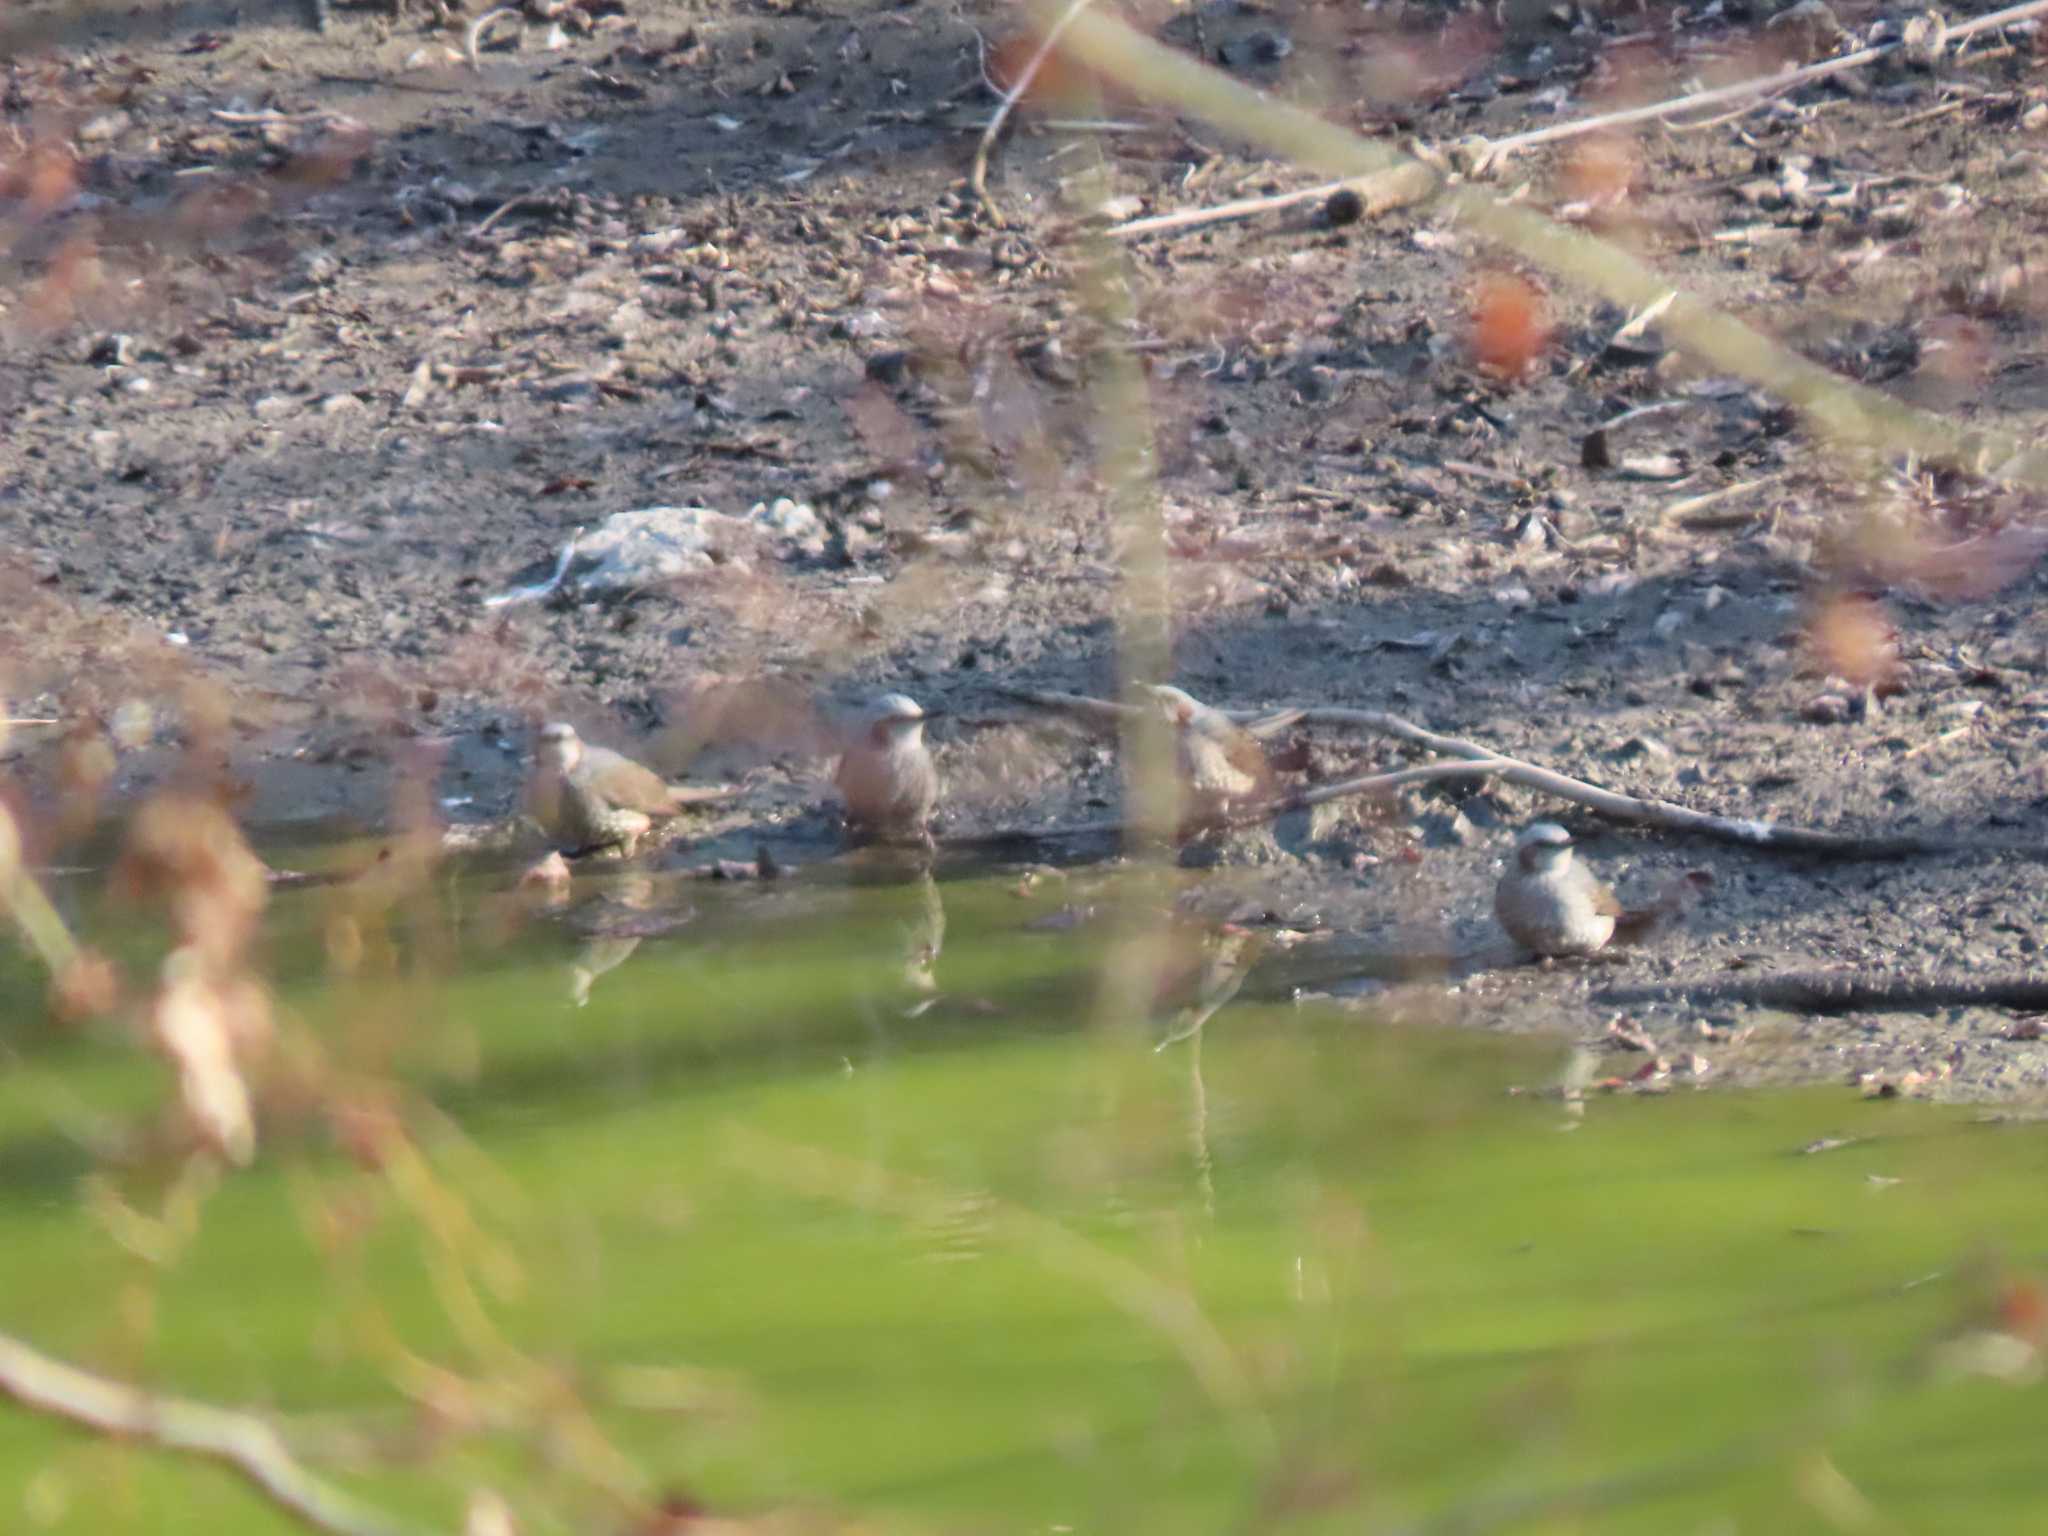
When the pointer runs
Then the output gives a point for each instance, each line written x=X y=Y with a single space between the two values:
x=716 y=255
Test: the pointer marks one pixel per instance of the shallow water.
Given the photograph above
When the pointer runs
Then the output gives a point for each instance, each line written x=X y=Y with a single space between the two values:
x=845 y=1194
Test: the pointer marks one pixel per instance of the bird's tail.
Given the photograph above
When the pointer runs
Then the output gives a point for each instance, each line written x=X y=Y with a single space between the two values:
x=1638 y=924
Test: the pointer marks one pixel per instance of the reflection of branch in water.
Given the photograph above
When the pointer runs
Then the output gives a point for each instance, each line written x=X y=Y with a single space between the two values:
x=593 y=959
x=1171 y=1312
x=242 y=1442
x=1198 y=1127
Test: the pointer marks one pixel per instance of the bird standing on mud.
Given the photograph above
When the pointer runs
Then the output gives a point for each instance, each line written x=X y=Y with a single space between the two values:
x=1222 y=766
x=587 y=797
x=1552 y=905
x=886 y=775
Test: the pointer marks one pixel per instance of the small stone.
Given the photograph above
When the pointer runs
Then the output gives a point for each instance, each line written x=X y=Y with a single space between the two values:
x=114 y=349
x=274 y=407
x=889 y=367
x=1639 y=747
x=1825 y=709
x=104 y=128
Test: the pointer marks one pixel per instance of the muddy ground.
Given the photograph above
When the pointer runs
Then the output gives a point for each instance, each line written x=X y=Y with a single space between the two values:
x=364 y=336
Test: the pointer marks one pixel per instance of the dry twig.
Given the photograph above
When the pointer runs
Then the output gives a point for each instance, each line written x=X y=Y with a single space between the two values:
x=1632 y=809
x=978 y=179
x=1484 y=761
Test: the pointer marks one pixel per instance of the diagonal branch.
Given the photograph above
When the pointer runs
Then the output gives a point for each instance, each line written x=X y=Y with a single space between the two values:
x=1480 y=760
x=1388 y=189
x=1847 y=412
x=1636 y=810
x=242 y=1442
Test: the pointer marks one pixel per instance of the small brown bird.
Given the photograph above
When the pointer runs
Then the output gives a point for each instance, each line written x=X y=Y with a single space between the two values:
x=1223 y=768
x=886 y=775
x=1551 y=904
x=587 y=797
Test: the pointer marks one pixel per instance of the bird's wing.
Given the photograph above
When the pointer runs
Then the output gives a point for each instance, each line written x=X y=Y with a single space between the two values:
x=701 y=794
x=625 y=783
x=1249 y=759
x=1605 y=902
x=1273 y=724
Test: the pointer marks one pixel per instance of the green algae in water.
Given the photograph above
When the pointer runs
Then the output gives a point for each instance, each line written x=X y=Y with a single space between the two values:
x=802 y=1238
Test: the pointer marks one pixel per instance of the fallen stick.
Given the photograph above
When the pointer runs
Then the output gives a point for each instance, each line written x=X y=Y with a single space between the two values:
x=473 y=38
x=1846 y=992
x=978 y=178
x=1612 y=804
x=1632 y=809
x=1103 y=712
x=1372 y=784
x=1381 y=192
x=242 y=1442
x=1759 y=87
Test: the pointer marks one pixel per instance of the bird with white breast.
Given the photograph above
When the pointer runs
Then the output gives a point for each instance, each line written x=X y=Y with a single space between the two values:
x=886 y=775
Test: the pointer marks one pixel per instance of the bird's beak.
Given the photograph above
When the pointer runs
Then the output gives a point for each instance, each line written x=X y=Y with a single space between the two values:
x=932 y=714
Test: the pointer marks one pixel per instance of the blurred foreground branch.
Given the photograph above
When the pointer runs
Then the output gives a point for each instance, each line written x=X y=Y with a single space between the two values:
x=1850 y=413
x=1388 y=189
x=978 y=180
x=246 y=1444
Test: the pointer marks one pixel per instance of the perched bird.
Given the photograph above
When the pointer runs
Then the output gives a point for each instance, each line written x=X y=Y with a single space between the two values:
x=886 y=775
x=1221 y=763
x=1550 y=904
x=588 y=797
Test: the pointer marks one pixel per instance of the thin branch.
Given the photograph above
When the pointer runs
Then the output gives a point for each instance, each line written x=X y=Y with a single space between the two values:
x=246 y=1444
x=1635 y=810
x=473 y=39
x=1615 y=806
x=1375 y=784
x=978 y=179
x=1378 y=193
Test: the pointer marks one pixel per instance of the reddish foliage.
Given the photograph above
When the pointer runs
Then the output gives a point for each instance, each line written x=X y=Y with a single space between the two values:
x=1062 y=84
x=1510 y=324
x=2023 y=1311
x=1853 y=638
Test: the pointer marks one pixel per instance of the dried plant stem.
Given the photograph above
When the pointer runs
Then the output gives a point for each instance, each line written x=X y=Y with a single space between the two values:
x=248 y=1445
x=1851 y=414
x=978 y=178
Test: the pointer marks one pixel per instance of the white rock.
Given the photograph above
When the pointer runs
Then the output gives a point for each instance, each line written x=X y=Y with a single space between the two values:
x=630 y=550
